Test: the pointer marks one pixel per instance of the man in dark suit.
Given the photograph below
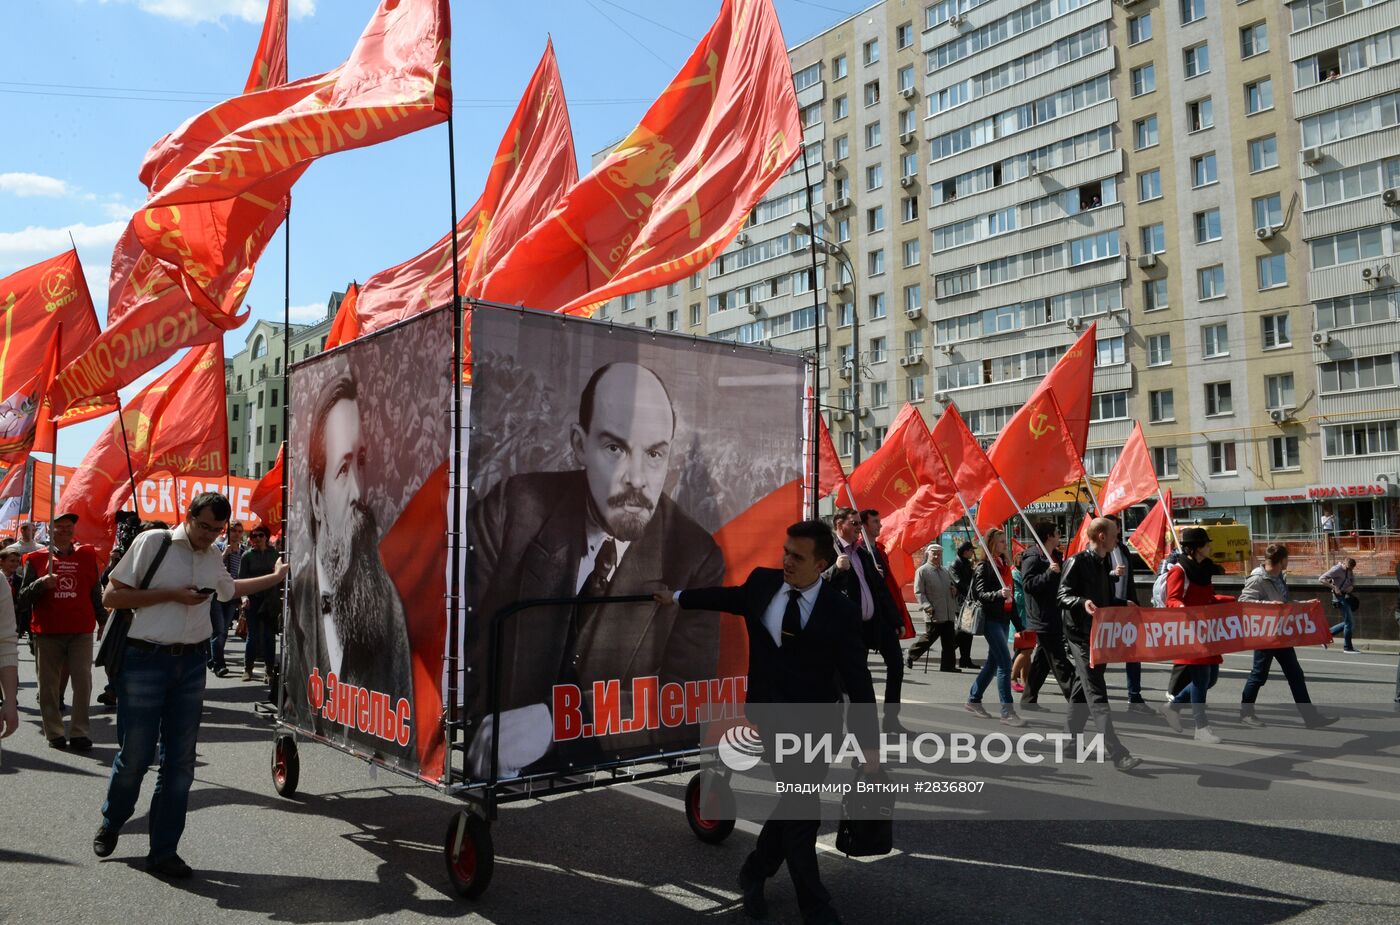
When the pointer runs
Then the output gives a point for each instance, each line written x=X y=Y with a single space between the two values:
x=347 y=618
x=860 y=576
x=805 y=646
x=607 y=529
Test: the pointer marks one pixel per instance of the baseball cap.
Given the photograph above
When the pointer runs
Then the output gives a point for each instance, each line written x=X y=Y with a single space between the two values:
x=66 y=515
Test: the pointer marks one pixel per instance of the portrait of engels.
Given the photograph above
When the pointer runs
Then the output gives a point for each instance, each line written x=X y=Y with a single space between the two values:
x=606 y=528
x=349 y=618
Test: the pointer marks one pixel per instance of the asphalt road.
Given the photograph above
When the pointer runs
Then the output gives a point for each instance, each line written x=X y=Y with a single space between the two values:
x=354 y=846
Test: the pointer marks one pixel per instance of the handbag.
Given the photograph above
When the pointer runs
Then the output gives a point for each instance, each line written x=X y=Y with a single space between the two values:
x=241 y=628
x=1354 y=603
x=971 y=619
x=867 y=820
x=112 y=652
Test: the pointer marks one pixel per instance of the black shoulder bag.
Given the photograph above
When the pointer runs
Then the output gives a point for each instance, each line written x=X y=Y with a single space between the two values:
x=113 y=649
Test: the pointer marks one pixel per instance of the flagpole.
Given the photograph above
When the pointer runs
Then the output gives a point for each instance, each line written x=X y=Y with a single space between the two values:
x=1026 y=520
x=869 y=546
x=967 y=512
x=126 y=448
x=816 y=327
x=1171 y=527
x=455 y=581
x=286 y=361
x=1092 y=498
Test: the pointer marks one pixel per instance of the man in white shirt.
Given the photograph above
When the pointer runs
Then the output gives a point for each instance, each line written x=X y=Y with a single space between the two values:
x=166 y=579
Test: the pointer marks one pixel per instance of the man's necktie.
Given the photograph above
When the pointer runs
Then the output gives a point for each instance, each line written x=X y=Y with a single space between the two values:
x=792 y=616
x=603 y=564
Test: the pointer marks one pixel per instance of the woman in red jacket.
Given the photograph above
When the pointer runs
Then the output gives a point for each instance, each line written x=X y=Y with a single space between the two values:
x=1189 y=584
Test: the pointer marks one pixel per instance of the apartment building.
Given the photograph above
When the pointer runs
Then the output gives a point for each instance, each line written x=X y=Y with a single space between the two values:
x=1345 y=96
x=256 y=386
x=998 y=174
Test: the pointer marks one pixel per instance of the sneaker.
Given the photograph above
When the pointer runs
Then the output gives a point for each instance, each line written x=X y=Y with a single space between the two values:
x=58 y=742
x=1126 y=762
x=1173 y=719
x=1321 y=720
x=909 y=662
x=1018 y=687
x=221 y=672
x=1204 y=734
x=1252 y=721
x=1030 y=706
x=1352 y=651
x=171 y=867
x=976 y=709
x=80 y=743
x=105 y=841
x=247 y=674
x=1011 y=719
x=968 y=664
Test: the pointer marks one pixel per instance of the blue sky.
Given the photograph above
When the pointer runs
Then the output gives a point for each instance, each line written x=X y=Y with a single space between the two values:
x=86 y=86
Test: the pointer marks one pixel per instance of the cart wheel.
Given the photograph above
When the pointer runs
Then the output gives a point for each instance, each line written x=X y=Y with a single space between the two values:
x=469 y=867
x=286 y=766
x=706 y=809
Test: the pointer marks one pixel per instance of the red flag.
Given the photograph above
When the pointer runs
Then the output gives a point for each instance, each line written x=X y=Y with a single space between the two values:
x=177 y=424
x=35 y=301
x=887 y=479
x=677 y=189
x=1072 y=381
x=1034 y=454
x=963 y=458
x=24 y=414
x=831 y=475
x=1132 y=478
x=1150 y=537
x=270 y=60
x=346 y=326
x=266 y=503
x=13 y=486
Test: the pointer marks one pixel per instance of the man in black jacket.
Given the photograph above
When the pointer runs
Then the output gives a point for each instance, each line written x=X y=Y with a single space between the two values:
x=860 y=576
x=1085 y=586
x=1125 y=588
x=962 y=580
x=1040 y=579
x=805 y=646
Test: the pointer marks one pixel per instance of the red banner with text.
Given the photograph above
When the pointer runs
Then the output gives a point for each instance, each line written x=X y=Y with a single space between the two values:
x=1151 y=634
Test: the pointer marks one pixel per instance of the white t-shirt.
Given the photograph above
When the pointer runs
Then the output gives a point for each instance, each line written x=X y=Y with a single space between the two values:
x=182 y=567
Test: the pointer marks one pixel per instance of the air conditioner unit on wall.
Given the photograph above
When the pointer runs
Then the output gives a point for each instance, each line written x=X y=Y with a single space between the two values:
x=741 y=239
x=843 y=203
x=955 y=20
x=913 y=312
x=838 y=416
x=1371 y=274
x=1281 y=415
x=947 y=349
x=1265 y=233
x=906 y=138
x=844 y=373
x=907 y=93
x=1321 y=339
x=906 y=182
x=755 y=309
x=833 y=164
x=1312 y=155
x=838 y=287
x=1391 y=197
x=941 y=397
x=1146 y=261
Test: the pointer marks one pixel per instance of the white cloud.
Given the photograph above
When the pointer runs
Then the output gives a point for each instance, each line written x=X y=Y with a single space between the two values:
x=94 y=242
x=193 y=11
x=33 y=184
x=313 y=311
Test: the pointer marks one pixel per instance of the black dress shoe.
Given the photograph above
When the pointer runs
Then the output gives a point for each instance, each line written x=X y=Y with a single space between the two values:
x=1319 y=721
x=171 y=867
x=107 y=699
x=104 y=842
x=823 y=916
x=1126 y=762
x=1140 y=706
x=755 y=905
x=1030 y=706
x=968 y=664
x=952 y=669
x=80 y=743
x=58 y=742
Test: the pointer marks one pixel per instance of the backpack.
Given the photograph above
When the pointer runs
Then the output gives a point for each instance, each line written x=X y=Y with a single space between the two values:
x=1159 y=585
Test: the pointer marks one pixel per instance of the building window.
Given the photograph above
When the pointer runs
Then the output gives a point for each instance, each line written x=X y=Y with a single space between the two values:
x=672 y=319
x=1161 y=406
x=909 y=209
x=1197 y=60
x=260 y=403
x=1144 y=79
x=1154 y=239
x=1200 y=115
x=629 y=301
x=695 y=315
x=874 y=177
x=870 y=51
x=879 y=394
x=841 y=148
x=811 y=115
x=1099 y=460
x=1192 y=10
x=839 y=67
x=1263 y=153
x=1149 y=185
x=845 y=314
x=872 y=93
x=1268 y=211
x=848 y=443
x=1111 y=352
x=1203 y=170
x=877 y=306
x=904 y=35
x=916 y=388
x=1272 y=270
x=233 y=444
x=1283 y=454
x=1365 y=308
x=1254 y=40
x=1215 y=340
x=1164 y=461
x=1109 y=406
x=1360 y=439
x=1207 y=226
x=1222 y=457
x=1346 y=247
x=1159 y=349
x=1278 y=391
x=1210 y=282
x=872 y=137
x=875 y=219
x=1218 y=399
x=1275 y=331
x=877 y=350
x=911 y=253
x=272 y=433
x=240 y=383
x=840 y=108
x=843 y=230
x=1139 y=28
x=1145 y=133
x=808 y=76
x=1259 y=96
x=258 y=437
x=876 y=262
x=1371 y=372
x=259 y=347
x=673 y=290
x=272 y=402
x=1154 y=295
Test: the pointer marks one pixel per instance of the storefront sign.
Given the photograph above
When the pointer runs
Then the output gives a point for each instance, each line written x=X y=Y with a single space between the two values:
x=1370 y=490
x=1188 y=501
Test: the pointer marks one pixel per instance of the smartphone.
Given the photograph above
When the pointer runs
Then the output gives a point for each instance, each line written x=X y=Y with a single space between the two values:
x=205 y=590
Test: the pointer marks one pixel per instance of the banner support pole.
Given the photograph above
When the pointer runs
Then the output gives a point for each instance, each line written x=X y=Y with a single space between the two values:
x=1024 y=519
x=1171 y=527
x=816 y=332
x=454 y=620
x=967 y=512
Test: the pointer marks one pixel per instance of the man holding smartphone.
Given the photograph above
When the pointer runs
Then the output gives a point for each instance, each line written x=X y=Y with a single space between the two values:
x=166 y=579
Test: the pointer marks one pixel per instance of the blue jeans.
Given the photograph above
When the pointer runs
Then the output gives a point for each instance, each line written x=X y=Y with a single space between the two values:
x=221 y=616
x=1134 y=672
x=159 y=701
x=998 y=662
x=1345 y=626
x=1203 y=678
x=261 y=644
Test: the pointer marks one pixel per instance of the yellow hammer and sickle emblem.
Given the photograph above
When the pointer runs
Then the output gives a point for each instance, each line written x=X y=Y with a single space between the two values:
x=1040 y=426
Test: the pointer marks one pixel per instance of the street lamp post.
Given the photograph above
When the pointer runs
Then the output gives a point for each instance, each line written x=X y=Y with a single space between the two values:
x=839 y=253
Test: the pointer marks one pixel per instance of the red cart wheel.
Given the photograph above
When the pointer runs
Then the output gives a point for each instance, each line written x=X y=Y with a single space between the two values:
x=286 y=765
x=709 y=807
x=469 y=854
